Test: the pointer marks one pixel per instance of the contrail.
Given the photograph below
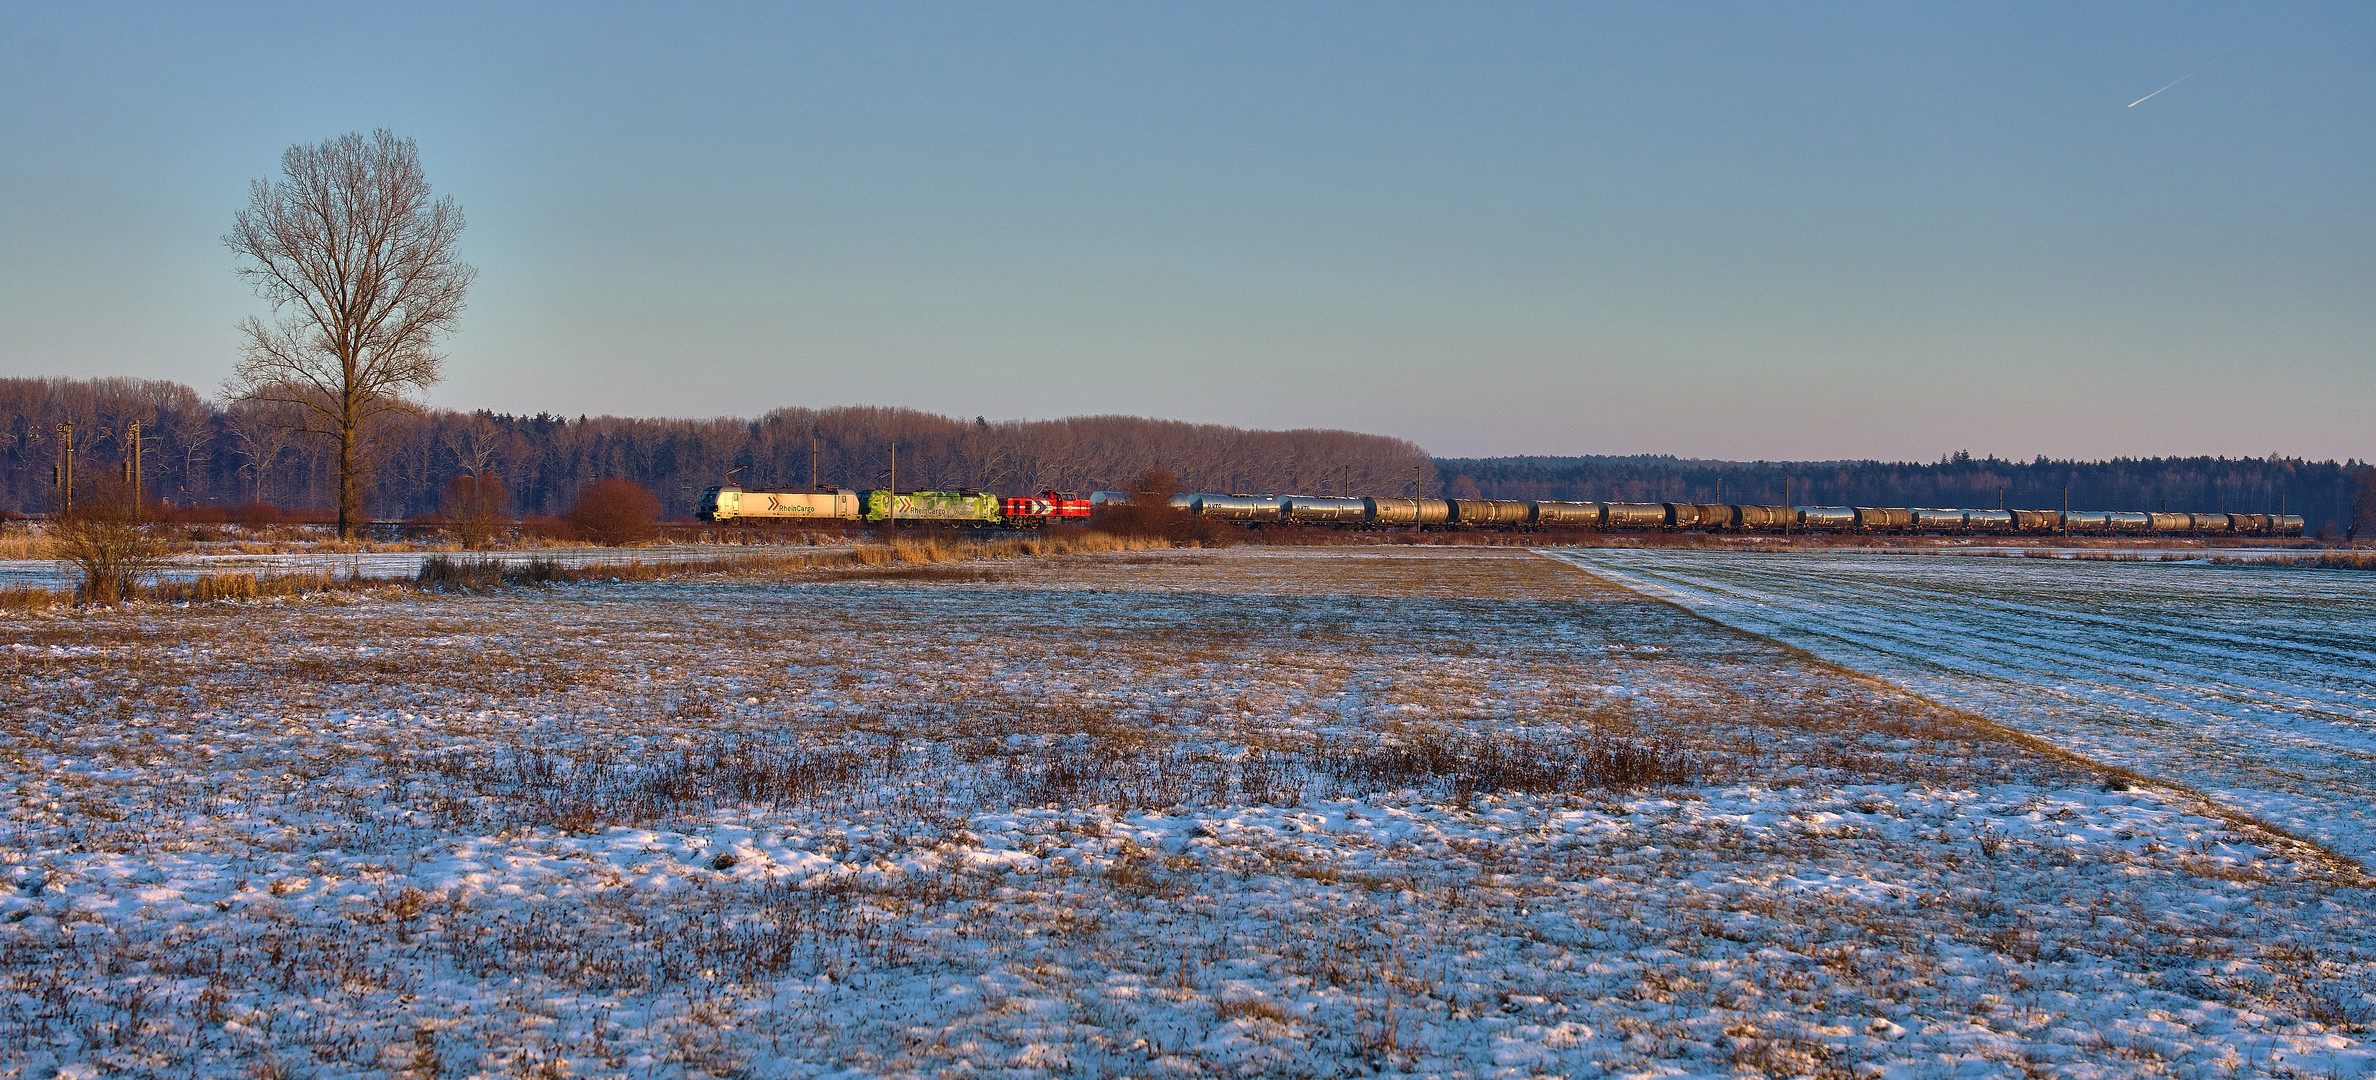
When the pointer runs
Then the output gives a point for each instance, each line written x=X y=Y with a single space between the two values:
x=2183 y=78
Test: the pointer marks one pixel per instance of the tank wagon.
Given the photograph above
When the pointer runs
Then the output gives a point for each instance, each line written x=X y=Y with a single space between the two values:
x=1402 y=512
x=1762 y=518
x=1239 y=509
x=1589 y=515
x=1323 y=510
x=2087 y=522
x=1492 y=513
x=1621 y=515
x=1825 y=518
x=1415 y=513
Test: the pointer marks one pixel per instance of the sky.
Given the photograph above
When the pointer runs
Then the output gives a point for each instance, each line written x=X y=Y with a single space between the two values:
x=1755 y=231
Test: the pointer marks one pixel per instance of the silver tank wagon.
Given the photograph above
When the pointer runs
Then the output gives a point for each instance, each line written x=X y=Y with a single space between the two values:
x=1682 y=515
x=2129 y=521
x=1323 y=510
x=1409 y=512
x=1491 y=513
x=1239 y=509
x=1570 y=514
x=1637 y=515
x=1825 y=518
x=1884 y=518
x=1993 y=521
x=2170 y=523
x=1929 y=520
x=2212 y=523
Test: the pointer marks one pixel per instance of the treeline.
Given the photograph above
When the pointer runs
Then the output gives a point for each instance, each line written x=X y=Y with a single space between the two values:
x=196 y=452
x=2320 y=491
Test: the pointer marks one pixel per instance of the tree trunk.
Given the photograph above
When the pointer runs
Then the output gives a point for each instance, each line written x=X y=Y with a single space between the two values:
x=350 y=495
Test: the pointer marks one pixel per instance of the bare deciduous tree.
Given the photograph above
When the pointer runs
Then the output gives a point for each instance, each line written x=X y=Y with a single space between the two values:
x=2362 y=513
x=359 y=265
x=263 y=431
x=472 y=440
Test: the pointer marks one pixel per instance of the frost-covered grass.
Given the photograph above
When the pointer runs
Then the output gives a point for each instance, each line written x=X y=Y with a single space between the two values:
x=1251 y=812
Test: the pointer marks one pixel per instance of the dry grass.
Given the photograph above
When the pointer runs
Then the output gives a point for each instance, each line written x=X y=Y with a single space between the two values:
x=24 y=544
x=251 y=587
x=2331 y=560
x=934 y=558
x=24 y=599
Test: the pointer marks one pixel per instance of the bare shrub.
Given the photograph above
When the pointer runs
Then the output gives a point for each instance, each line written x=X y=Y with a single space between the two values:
x=109 y=543
x=474 y=507
x=1149 y=513
x=615 y=511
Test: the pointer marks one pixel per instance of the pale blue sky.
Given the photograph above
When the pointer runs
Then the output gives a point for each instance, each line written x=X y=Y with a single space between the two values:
x=1778 y=230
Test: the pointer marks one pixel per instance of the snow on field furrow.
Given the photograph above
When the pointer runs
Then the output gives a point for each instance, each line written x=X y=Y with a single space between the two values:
x=2159 y=668
x=2080 y=615
x=2027 y=644
x=2010 y=645
x=2121 y=677
x=2107 y=658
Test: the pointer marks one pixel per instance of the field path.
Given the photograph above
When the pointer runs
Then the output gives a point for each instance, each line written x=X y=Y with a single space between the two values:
x=2254 y=684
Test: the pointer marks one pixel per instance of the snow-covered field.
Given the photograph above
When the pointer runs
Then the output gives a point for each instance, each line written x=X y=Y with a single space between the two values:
x=1455 y=812
x=2257 y=684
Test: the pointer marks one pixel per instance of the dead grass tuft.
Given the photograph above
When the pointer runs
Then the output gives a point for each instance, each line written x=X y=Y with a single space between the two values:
x=24 y=599
x=1465 y=767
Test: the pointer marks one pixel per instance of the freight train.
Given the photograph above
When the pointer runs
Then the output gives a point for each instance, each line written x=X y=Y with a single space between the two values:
x=981 y=509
